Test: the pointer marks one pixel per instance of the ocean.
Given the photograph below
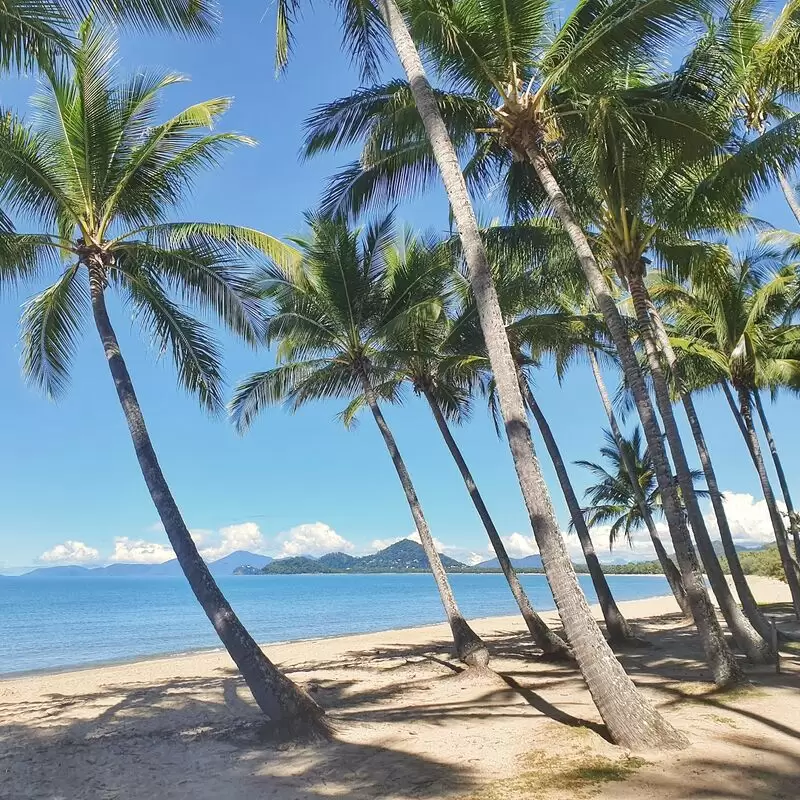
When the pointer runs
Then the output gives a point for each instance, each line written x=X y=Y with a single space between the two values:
x=57 y=623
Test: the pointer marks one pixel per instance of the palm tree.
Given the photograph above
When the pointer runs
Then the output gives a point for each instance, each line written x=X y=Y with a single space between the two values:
x=423 y=360
x=99 y=177
x=750 y=60
x=728 y=324
x=629 y=718
x=632 y=476
x=331 y=315
x=522 y=91
x=614 y=498
x=527 y=285
x=756 y=68
x=34 y=31
x=569 y=332
x=637 y=150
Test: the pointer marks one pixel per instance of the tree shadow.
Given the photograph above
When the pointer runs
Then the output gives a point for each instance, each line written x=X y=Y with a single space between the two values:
x=753 y=770
x=202 y=737
x=170 y=740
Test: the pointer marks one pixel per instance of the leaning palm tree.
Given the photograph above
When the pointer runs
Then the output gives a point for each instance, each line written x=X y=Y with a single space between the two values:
x=332 y=313
x=630 y=720
x=98 y=176
x=34 y=31
x=728 y=325
x=446 y=382
x=521 y=91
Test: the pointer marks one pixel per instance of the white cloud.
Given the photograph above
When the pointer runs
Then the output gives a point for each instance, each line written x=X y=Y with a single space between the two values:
x=200 y=535
x=641 y=549
x=748 y=519
x=465 y=556
x=311 y=538
x=70 y=552
x=244 y=536
x=517 y=546
x=138 y=551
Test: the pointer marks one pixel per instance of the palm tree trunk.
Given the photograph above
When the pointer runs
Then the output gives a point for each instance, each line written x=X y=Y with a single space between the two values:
x=469 y=646
x=288 y=706
x=718 y=655
x=731 y=612
x=753 y=634
x=631 y=721
x=671 y=572
x=616 y=624
x=551 y=644
x=788 y=193
x=738 y=417
x=794 y=522
x=790 y=566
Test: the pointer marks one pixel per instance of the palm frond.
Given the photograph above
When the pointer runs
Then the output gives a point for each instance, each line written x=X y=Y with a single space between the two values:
x=195 y=354
x=51 y=326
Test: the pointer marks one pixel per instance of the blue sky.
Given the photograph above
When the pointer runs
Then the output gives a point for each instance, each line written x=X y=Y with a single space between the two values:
x=293 y=484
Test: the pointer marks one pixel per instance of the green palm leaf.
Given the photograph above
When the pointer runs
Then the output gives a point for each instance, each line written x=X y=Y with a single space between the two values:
x=51 y=325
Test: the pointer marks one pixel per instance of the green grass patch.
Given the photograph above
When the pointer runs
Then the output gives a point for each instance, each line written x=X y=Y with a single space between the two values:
x=546 y=775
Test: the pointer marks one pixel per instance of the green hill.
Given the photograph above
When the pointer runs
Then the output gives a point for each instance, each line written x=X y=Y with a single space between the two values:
x=402 y=556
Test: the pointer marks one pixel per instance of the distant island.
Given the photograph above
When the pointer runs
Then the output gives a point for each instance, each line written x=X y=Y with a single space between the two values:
x=408 y=556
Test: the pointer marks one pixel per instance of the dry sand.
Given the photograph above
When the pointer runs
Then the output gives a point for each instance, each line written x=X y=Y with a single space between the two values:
x=410 y=724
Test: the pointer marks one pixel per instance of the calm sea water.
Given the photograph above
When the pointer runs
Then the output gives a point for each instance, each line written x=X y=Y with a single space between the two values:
x=58 y=623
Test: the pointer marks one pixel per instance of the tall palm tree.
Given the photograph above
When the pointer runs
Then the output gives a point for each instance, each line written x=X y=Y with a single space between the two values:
x=332 y=313
x=99 y=176
x=424 y=361
x=37 y=30
x=629 y=718
x=728 y=321
x=514 y=107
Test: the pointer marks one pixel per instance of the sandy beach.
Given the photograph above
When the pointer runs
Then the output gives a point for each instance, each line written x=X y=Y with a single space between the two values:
x=410 y=723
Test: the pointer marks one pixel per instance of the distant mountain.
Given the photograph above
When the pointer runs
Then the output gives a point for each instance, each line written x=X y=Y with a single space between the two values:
x=528 y=562
x=402 y=556
x=227 y=564
x=59 y=572
x=220 y=568
x=295 y=565
x=337 y=561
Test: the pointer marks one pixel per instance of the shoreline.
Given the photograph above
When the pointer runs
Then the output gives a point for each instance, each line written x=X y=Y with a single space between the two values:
x=410 y=722
x=548 y=614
